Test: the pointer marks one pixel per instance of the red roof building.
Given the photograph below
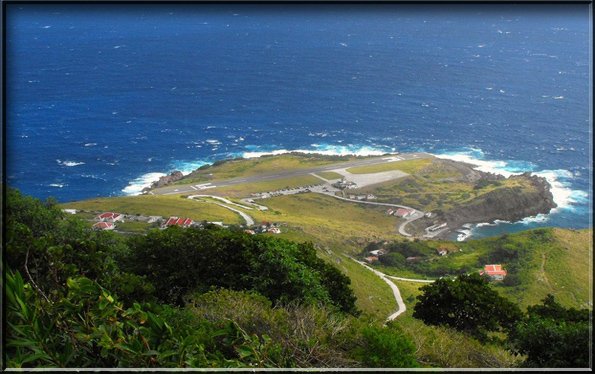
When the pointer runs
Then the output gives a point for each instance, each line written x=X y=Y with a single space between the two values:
x=176 y=221
x=103 y=226
x=495 y=272
x=109 y=217
x=402 y=212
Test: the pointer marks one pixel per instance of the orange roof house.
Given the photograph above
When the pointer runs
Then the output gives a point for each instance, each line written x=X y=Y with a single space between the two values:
x=495 y=272
x=103 y=226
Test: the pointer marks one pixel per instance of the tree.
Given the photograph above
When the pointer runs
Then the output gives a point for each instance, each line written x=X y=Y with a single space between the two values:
x=466 y=303
x=553 y=336
x=179 y=261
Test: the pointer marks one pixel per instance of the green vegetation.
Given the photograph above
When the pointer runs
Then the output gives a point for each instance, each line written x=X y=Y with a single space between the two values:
x=262 y=165
x=282 y=271
x=406 y=166
x=245 y=189
x=177 y=298
x=331 y=221
x=467 y=304
x=436 y=185
x=538 y=262
x=135 y=227
x=552 y=336
x=158 y=205
x=441 y=346
x=329 y=175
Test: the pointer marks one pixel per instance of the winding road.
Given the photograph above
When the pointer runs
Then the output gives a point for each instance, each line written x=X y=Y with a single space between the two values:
x=249 y=220
x=401 y=308
x=415 y=216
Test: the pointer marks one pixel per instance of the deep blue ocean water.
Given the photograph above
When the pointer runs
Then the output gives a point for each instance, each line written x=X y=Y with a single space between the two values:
x=102 y=99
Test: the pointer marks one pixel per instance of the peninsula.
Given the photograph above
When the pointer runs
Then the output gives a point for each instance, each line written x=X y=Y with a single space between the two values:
x=430 y=196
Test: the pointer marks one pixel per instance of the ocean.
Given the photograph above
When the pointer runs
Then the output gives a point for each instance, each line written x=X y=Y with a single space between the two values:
x=102 y=99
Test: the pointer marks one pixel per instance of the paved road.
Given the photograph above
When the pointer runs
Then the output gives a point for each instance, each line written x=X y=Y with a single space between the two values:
x=179 y=189
x=414 y=216
x=400 y=304
x=401 y=308
x=249 y=220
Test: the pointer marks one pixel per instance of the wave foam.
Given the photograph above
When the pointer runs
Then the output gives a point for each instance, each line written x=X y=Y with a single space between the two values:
x=564 y=196
x=69 y=163
x=327 y=150
x=136 y=186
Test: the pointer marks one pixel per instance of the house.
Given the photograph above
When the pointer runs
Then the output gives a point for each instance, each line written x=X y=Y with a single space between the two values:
x=103 y=226
x=442 y=251
x=494 y=272
x=274 y=230
x=378 y=252
x=402 y=212
x=370 y=197
x=176 y=221
x=371 y=259
x=69 y=211
x=390 y=212
x=110 y=217
x=251 y=232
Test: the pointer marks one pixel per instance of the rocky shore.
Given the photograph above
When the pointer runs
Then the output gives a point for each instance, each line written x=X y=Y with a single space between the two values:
x=504 y=204
x=165 y=180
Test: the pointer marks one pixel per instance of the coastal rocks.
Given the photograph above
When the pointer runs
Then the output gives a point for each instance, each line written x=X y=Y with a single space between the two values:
x=165 y=180
x=506 y=204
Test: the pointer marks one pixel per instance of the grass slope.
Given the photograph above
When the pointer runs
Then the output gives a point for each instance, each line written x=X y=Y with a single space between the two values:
x=540 y=261
x=261 y=165
x=154 y=205
x=406 y=166
x=245 y=189
x=445 y=347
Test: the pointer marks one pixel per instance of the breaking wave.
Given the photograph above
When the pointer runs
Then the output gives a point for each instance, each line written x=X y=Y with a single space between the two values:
x=325 y=149
x=136 y=186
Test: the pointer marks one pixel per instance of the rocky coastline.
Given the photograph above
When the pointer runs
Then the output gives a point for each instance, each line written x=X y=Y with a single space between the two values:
x=503 y=204
x=165 y=180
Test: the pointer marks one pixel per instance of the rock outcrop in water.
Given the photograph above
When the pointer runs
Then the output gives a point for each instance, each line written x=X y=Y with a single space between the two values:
x=165 y=180
x=506 y=204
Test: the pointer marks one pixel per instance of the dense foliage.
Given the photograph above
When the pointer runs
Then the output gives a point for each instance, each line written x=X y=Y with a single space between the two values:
x=553 y=336
x=179 y=260
x=466 y=303
x=177 y=298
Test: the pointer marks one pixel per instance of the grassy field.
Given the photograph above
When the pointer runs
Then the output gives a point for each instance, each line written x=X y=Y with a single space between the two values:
x=135 y=227
x=562 y=267
x=244 y=190
x=154 y=205
x=329 y=220
x=430 y=193
x=542 y=261
x=406 y=166
x=330 y=175
x=260 y=165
